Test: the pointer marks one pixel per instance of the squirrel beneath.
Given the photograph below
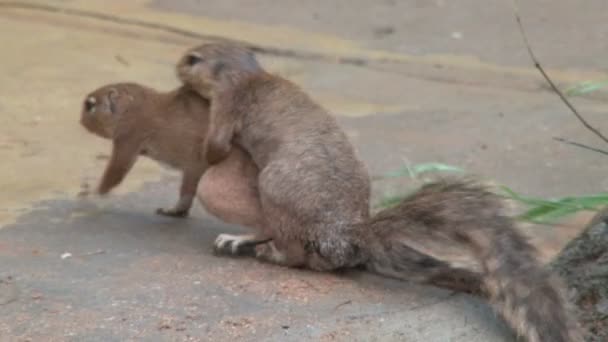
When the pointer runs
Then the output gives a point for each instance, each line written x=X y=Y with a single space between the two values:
x=166 y=126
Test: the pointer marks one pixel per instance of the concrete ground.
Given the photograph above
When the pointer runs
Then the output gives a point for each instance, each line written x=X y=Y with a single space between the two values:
x=433 y=81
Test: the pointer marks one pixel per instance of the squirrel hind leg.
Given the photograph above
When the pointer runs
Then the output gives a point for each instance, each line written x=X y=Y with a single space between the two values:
x=290 y=256
x=242 y=245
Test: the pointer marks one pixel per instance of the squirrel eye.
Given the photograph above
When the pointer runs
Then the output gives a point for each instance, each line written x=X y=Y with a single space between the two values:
x=193 y=59
x=89 y=104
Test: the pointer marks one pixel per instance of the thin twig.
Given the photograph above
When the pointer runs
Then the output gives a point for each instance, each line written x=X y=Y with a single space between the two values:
x=343 y=304
x=120 y=59
x=574 y=143
x=97 y=252
x=548 y=79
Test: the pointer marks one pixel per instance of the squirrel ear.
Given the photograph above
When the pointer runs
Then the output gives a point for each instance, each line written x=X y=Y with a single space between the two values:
x=113 y=99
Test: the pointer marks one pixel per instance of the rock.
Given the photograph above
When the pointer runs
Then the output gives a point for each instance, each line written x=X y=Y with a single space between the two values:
x=583 y=264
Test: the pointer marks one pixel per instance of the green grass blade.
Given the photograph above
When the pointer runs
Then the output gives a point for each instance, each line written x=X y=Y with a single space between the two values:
x=545 y=211
x=586 y=87
x=547 y=214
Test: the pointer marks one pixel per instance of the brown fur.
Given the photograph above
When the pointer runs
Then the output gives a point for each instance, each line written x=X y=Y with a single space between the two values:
x=229 y=191
x=314 y=193
x=167 y=128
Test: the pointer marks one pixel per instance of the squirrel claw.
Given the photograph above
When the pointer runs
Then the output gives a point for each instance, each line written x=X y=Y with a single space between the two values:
x=172 y=212
x=242 y=245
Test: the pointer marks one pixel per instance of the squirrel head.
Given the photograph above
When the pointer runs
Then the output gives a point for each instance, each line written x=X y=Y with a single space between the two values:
x=213 y=67
x=105 y=108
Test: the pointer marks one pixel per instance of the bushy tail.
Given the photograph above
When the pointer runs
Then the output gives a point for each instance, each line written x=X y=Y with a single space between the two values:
x=455 y=234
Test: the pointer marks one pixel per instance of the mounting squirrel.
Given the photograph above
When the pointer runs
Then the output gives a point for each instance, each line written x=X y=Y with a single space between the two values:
x=167 y=128
x=314 y=193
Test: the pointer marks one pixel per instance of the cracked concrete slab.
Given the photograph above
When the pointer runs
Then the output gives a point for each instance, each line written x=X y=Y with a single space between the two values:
x=424 y=94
